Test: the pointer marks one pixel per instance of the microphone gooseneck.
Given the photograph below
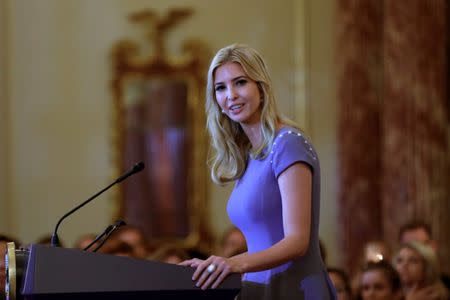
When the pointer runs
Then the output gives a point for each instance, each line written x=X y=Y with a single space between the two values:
x=95 y=240
x=116 y=226
x=136 y=168
x=108 y=231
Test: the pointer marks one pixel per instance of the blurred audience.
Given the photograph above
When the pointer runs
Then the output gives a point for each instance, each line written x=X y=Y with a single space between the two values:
x=341 y=283
x=171 y=255
x=417 y=266
x=84 y=240
x=372 y=252
x=134 y=237
x=417 y=230
x=420 y=231
x=114 y=246
x=379 y=281
x=375 y=251
x=232 y=243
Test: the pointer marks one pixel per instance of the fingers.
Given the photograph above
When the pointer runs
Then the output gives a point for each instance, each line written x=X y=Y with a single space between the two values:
x=201 y=268
x=221 y=278
x=186 y=263
x=208 y=273
x=191 y=262
x=211 y=276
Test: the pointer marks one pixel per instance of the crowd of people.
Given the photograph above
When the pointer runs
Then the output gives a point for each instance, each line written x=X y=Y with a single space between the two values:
x=410 y=272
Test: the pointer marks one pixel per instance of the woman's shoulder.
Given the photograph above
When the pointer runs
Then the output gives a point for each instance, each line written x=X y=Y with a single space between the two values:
x=290 y=146
x=291 y=137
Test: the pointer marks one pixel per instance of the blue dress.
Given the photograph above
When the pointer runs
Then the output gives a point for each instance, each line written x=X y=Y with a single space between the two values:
x=255 y=208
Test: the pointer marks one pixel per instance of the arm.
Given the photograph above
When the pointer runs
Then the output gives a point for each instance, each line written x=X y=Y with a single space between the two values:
x=296 y=189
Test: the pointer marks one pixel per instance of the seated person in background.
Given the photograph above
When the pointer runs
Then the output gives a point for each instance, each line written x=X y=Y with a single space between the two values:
x=417 y=266
x=114 y=246
x=418 y=230
x=232 y=243
x=373 y=251
x=379 y=281
x=84 y=240
x=171 y=255
x=341 y=283
x=134 y=237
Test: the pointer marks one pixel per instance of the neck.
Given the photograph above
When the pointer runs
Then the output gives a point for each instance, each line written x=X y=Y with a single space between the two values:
x=253 y=132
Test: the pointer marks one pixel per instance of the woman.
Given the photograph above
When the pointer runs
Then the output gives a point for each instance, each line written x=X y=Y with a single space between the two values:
x=275 y=201
x=341 y=283
x=417 y=266
x=379 y=281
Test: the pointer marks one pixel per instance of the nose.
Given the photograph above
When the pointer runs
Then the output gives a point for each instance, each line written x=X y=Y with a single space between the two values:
x=231 y=94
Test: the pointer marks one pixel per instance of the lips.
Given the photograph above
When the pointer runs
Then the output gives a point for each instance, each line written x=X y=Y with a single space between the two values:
x=235 y=107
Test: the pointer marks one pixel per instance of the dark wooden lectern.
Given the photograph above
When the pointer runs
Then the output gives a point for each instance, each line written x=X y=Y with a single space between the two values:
x=58 y=273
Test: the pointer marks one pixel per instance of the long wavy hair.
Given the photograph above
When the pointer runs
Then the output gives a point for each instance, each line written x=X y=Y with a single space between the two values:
x=230 y=145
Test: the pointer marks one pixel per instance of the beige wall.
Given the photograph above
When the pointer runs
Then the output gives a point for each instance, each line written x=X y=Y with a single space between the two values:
x=58 y=135
x=322 y=111
x=3 y=120
x=315 y=104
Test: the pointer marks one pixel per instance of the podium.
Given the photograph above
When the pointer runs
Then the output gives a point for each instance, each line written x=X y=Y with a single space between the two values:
x=42 y=272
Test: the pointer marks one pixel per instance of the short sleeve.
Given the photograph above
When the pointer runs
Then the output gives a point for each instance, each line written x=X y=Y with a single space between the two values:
x=291 y=147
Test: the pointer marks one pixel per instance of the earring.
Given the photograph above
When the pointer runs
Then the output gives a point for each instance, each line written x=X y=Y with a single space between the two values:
x=223 y=111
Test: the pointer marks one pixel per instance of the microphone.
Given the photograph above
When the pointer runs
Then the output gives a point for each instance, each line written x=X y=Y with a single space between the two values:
x=136 y=168
x=107 y=231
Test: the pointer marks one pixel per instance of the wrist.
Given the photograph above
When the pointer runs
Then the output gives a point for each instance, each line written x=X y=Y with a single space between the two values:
x=238 y=264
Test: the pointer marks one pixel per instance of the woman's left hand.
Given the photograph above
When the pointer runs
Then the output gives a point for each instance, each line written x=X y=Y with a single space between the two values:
x=210 y=272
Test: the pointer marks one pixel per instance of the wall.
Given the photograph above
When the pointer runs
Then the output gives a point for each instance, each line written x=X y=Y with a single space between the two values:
x=315 y=105
x=3 y=120
x=322 y=111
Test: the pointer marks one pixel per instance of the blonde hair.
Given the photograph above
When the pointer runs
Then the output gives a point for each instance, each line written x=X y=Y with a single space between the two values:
x=431 y=267
x=230 y=145
x=428 y=256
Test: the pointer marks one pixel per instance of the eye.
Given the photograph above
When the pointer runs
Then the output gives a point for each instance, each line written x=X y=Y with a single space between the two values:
x=219 y=88
x=414 y=260
x=241 y=82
